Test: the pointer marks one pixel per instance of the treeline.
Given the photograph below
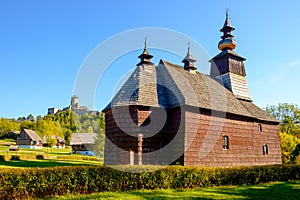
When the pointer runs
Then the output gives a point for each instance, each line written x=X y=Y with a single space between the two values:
x=289 y=117
x=62 y=124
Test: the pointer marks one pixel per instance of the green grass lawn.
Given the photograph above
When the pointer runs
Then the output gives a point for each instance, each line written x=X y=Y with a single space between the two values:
x=54 y=154
x=275 y=190
x=5 y=143
x=4 y=150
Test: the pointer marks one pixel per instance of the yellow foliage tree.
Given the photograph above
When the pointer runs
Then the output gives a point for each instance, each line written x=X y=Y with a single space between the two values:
x=47 y=128
x=288 y=144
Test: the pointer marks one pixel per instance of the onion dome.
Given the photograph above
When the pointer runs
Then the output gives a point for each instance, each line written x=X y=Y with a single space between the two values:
x=227 y=41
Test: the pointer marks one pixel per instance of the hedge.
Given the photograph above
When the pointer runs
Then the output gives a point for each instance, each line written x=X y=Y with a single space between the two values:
x=77 y=157
x=42 y=182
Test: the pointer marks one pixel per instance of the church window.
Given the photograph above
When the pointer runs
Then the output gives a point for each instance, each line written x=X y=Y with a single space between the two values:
x=259 y=127
x=225 y=142
x=265 y=149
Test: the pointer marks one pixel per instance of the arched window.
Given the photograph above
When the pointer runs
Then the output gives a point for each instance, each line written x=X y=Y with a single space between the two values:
x=259 y=127
x=265 y=149
x=225 y=142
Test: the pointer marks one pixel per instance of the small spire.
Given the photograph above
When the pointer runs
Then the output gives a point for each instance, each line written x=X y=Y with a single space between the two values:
x=189 y=56
x=145 y=43
x=227 y=24
x=145 y=56
x=227 y=11
x=189 y=61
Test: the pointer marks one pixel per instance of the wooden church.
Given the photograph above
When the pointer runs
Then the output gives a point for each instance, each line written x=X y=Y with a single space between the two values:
x=172 y=114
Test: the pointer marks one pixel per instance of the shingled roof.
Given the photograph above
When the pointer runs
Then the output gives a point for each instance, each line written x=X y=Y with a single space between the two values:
x=33 y=135
x=83 y=138
x=169 y=85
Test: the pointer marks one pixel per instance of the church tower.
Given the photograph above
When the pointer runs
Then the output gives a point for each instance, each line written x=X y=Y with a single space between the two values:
x=228 y=66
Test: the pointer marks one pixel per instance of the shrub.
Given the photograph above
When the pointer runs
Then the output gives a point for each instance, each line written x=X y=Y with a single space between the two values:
x=42 y=182
x=4 y=157
x=14 y=157
x=42 y=157
x=75 y=157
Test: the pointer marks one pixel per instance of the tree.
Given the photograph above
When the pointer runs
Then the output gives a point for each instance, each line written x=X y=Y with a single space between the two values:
x=28 y=125
x=288 y=145
x=47 y=128
x=30 y=118
x=51 y=141
x=98 y=147
x=295 y=159
x=7 y=125
x=89 y=123
x=288 y=115
x=39 y=117
x=67 y=135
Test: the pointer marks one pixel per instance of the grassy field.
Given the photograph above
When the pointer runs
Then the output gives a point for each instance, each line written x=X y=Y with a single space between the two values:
x=4 y=150
x=54 y=154
x=275 y=190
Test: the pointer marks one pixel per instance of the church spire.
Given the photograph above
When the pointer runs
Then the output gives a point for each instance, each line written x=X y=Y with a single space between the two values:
x=145 y=56
x=189 y=61
x=228 y=66
x=227 y=41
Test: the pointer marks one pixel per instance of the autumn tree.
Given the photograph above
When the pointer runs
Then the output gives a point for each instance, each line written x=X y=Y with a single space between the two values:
x=288 y=115
x=288 y=144
x=7 y=125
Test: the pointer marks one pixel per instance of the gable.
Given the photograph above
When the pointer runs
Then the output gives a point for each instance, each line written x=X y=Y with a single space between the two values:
x=29 y=135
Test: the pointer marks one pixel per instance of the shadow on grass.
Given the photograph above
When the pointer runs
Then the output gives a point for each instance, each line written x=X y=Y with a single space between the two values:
x=280 y=190
x=277 y=190
x=45 y=163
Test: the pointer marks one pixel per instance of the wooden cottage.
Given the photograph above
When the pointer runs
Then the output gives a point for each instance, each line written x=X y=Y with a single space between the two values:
x=173 y=114
x=60 y=143
x=29 y=139
x=83 y=142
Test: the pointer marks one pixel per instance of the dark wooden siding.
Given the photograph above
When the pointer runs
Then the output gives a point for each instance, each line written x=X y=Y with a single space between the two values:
x=204 y=141
x=156 y=145
x=23 y=139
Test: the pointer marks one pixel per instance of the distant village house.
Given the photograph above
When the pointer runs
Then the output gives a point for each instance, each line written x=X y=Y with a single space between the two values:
x=59 y=144
x=83 y=143
x=29 y=139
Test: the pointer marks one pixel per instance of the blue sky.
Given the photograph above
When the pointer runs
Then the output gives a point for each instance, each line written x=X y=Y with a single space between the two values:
x=43 y=45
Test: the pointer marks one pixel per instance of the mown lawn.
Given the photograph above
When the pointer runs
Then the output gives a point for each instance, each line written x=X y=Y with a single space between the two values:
x=275 y=190
x=46 y=150
x=58 y=157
